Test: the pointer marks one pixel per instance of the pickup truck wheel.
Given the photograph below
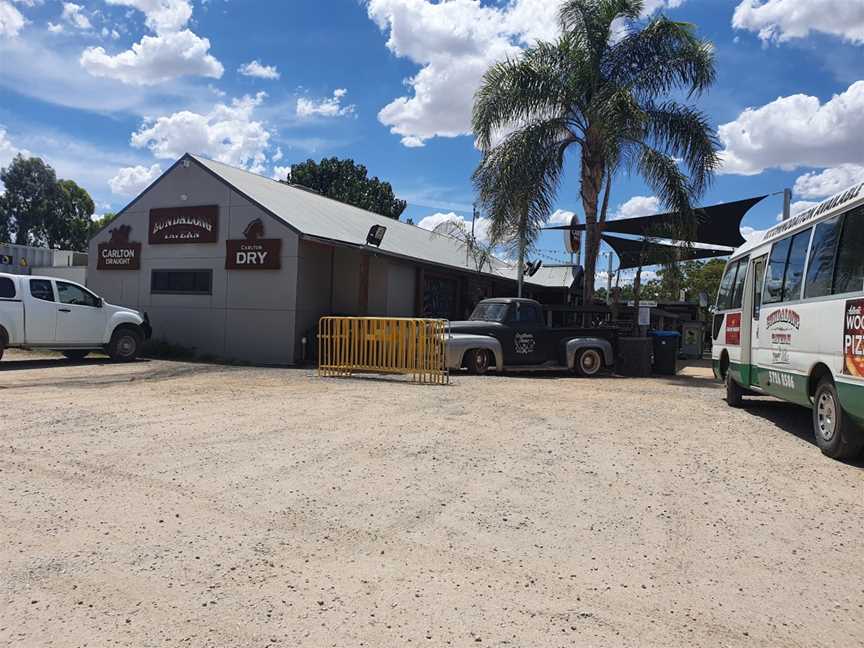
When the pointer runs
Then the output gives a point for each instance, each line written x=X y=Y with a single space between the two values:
x=125 y=344
x=478 y=361
x=588 y=363
x=75 y=354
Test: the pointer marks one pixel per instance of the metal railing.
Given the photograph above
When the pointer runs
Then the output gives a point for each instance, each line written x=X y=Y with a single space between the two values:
x=388 y=345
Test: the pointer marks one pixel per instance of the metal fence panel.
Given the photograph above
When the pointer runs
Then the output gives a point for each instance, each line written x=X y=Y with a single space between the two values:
x=390 y=345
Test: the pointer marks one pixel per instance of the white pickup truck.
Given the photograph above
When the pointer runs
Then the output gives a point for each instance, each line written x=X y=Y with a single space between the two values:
x=49 y=313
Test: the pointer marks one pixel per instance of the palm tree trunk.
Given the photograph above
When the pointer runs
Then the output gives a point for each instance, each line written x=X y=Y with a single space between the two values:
x=520 y=270
x=590 y=186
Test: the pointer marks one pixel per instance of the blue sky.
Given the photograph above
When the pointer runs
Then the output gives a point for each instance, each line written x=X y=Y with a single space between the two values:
x=110 y=92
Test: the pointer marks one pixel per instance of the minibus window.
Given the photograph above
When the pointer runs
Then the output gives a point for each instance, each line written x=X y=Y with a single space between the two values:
x=738 y=293
x=820 y=268
x=795 y=266
x=724 y=295
x=773 y=292
x=758 y=277
x=849 y=274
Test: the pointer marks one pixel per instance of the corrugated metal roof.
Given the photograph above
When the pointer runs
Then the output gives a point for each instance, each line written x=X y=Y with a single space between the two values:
x=324 y=218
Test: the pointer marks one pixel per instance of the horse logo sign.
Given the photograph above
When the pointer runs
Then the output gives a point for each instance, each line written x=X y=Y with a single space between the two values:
x=253 y=252
x=119 y=253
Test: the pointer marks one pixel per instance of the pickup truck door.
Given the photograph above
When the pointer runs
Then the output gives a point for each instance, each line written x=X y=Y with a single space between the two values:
x=80 y=316
x=527 y=344
x=40 y=312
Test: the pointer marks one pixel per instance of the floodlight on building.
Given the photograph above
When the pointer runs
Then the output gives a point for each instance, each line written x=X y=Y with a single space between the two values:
x=376 y=235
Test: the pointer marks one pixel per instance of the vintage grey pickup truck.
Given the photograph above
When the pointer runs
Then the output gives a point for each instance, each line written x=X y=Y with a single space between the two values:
x=510 y=334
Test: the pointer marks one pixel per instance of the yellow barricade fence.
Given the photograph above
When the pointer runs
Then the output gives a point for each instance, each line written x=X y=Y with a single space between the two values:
x=392 y=345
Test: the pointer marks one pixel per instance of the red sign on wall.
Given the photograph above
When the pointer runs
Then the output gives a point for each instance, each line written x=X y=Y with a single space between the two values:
x=853 y=338
x=733 y=329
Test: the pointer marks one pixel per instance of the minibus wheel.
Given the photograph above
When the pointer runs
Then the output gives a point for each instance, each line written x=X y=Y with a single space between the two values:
x=836 y=434
x=734 y=393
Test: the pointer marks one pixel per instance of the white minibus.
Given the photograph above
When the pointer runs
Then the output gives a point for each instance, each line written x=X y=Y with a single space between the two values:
x=789 y=319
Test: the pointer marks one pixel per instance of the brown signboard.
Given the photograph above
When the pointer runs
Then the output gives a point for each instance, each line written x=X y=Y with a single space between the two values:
x=253 y=252
x=119 y=253
x=184 y=225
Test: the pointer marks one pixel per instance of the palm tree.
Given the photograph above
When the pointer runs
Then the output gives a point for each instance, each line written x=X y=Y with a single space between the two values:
x=602 y=86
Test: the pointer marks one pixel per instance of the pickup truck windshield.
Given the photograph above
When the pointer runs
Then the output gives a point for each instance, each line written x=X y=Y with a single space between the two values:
x=489 y=312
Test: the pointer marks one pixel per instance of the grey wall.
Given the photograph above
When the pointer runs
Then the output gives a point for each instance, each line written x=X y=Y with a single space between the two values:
x=251 y=314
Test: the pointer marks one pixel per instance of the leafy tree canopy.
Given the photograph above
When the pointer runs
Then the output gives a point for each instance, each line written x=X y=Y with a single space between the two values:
x=347 y=181
x=37 y=209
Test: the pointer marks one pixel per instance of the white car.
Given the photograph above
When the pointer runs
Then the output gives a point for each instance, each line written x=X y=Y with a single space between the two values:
x=49 y=313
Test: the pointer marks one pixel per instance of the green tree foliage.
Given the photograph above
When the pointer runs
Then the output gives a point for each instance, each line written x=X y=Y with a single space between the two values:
x=605 y=94
x=37 y=209
x=103 y=221
x=347 y=182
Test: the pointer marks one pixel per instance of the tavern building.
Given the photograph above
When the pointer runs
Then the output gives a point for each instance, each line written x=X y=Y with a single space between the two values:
x=240 y=266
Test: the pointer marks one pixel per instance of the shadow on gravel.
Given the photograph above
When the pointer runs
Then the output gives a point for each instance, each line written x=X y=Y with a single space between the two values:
x=794 y=419
x=55 y=363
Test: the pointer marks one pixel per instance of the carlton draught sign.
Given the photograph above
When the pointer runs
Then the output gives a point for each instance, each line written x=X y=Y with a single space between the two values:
x=119 y=253
x=853 y=338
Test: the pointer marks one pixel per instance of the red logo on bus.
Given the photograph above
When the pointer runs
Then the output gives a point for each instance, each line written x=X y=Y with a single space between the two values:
x=733 y=328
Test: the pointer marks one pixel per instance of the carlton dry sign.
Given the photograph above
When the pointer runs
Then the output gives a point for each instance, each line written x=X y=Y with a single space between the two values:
x=119 y=253
x=184 y=225
x=253 y=252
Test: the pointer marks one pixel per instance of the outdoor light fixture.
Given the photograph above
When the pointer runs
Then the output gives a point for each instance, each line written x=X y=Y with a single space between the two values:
x=532 y=267
x=376 y=235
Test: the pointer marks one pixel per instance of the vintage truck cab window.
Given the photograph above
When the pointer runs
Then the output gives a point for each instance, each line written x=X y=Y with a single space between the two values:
x=489 y=312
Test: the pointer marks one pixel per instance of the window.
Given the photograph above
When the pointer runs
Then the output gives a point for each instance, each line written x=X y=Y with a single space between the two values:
x=732 y=286
x=849 y=273
x=41 y=289
x=76 y=295
x=527 y=313
x=758 y=276
x=773 y=291
x=489 y=312
x=7 y=288
x=182 y=282
x=795 y=266
x=820 y=268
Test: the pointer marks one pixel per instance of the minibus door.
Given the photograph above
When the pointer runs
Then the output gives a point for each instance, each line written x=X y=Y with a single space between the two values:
x=750 y=336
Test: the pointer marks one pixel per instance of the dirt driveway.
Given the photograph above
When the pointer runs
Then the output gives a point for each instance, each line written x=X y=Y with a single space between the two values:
x=176 y=504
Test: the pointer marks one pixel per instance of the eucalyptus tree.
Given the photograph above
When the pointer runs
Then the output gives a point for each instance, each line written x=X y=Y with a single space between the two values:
x=610 y=89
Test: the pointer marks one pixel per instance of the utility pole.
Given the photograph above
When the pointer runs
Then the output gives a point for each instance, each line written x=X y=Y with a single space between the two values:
x=609 y=279
x=787 y=204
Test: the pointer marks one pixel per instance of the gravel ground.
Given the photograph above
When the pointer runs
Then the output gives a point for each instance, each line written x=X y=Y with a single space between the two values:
x=177 y=504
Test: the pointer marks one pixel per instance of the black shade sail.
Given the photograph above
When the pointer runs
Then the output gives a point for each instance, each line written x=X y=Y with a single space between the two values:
x=636 y=253
x=717 y=225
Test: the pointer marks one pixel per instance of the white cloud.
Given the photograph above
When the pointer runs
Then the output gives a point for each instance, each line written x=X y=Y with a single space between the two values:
x=830 y=181
x=277 y=155
x=256 y=69
x=11 y=20
x=228 y=133
x=55 y=28
x=161 y=16
x=454 y=43
x=784 y=20
x=330 y=107
x=795 y=131
x=280 y=172
x=481 y=225
x=8 y=150
x=130 y=181
x=172 y=53
x=560 y=217
x=73 y=14
x=637 y=206
x=796 y=208
x=155 y=59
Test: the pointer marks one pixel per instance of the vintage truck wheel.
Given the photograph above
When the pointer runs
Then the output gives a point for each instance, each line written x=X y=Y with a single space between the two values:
x=478 y=361
x=588 y=363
